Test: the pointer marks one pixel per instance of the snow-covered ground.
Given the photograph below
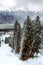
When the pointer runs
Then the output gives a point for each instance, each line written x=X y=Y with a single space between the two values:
x=9 y=58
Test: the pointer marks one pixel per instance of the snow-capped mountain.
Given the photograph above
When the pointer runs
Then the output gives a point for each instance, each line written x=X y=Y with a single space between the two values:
x=20 y=15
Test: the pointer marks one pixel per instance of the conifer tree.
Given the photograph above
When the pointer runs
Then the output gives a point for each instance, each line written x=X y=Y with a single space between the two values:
x=17 y=36
x=37 y=32
x=26 y=40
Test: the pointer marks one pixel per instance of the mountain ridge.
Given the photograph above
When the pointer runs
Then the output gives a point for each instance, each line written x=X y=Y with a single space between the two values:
x=11 y=16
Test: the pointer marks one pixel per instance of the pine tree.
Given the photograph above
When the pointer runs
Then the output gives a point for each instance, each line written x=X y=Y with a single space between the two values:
x=17 y=36
x=38 y=25
x=37 y=39
x=27 y=38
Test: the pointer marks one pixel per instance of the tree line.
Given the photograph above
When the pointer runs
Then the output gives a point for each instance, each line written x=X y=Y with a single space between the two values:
x=27 y=40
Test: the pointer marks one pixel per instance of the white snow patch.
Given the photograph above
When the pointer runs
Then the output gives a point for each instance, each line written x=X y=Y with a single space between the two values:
x=9 y=58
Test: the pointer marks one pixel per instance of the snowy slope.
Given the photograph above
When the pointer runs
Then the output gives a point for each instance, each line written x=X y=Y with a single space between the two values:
x=9 y=58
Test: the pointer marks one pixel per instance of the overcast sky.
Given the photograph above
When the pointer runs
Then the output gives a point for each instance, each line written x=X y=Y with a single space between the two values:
x=31 y=5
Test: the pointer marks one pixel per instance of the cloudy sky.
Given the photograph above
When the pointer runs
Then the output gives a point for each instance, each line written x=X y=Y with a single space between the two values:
x=31 y=5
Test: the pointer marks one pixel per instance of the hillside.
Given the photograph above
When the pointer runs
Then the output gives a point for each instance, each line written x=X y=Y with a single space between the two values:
x=9 y=58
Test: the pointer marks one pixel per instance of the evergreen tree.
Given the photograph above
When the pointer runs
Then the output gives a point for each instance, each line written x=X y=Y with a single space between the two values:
x=17 y=36
x=27 y=38
x=37 y=25
x=37 y=39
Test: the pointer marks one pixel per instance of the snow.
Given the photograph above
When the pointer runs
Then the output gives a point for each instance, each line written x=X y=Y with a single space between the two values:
x=9 y=58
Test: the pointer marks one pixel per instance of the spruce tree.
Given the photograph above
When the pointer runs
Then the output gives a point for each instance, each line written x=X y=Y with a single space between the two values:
x=17 y=36
x=37 y=32
x=37 y=25
x=26 y=40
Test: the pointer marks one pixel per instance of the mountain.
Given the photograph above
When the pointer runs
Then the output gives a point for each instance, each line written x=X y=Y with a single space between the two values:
x=6 y=17
x=11 y=16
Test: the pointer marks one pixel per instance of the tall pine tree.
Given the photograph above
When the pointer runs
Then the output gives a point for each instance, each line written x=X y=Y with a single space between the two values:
x=17 y=36
x=37 y=32
x=27 y=38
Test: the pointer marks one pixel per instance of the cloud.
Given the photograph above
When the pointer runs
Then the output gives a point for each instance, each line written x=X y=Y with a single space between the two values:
x=7 y=4
x=31 y=5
